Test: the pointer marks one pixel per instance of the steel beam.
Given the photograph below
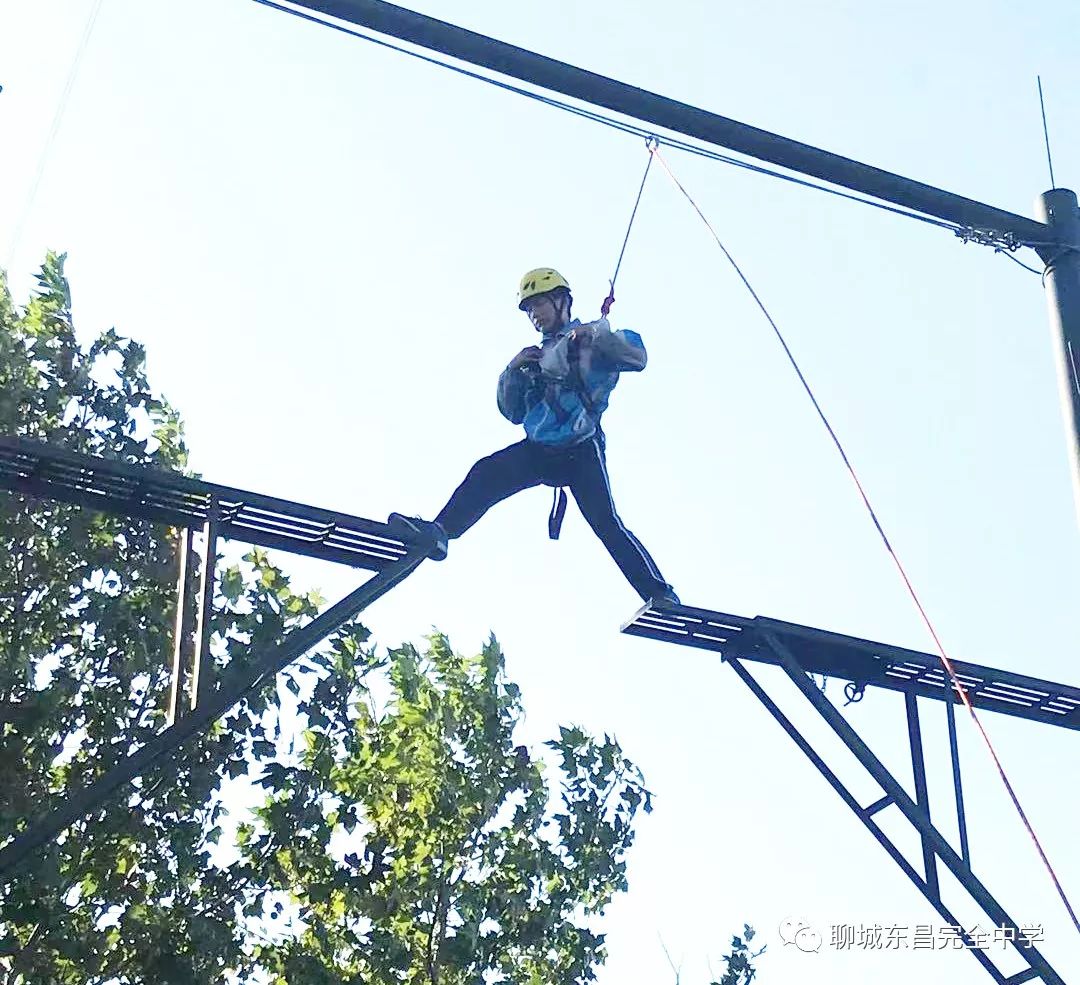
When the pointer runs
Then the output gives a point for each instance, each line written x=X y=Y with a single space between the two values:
x=178 y=682
x=958 y=787
x=922 y=795
x=200 y=674
x=672 y=115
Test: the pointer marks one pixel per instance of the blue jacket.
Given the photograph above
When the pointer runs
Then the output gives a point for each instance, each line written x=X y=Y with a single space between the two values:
x=547 y=398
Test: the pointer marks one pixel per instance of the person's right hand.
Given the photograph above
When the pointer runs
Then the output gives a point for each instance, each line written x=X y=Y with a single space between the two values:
x=530 y=354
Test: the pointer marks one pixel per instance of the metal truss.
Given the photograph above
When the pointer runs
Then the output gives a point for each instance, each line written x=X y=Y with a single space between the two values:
x=215 y=512
x=801 y=651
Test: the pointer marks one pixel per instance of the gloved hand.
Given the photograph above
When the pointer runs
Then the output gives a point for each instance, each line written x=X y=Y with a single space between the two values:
x=530 y=354
x=591 y=332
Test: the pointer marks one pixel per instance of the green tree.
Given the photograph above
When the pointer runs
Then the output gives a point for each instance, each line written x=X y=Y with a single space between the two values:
x=465 y=868
x=408 y=840
x=86 y=613
x=739 y=961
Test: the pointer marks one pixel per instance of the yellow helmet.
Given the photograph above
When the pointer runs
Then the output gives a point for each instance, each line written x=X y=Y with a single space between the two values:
x=539 y=281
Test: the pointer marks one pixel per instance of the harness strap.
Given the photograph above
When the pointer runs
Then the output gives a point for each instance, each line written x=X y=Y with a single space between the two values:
x=558 y=511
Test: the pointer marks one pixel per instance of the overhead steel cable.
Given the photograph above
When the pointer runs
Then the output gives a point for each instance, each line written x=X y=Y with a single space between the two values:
x=1001 y=243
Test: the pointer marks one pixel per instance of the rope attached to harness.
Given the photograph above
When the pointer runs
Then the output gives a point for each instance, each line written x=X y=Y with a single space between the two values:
x=558 y=504
x=652 y=145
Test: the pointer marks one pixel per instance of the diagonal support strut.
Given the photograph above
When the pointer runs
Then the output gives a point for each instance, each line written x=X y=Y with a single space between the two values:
x=934 y=844
x=864 y=814
x=209 y=709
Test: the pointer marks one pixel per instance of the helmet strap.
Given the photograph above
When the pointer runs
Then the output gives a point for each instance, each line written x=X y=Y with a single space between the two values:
x=563 y=306
x=562 y=301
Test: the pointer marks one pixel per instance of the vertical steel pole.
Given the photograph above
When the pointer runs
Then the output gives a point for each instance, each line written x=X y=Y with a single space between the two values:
x=958 y=789
x=922 y=795
x=181 y=633
x=203 y=662
x=1058 y=209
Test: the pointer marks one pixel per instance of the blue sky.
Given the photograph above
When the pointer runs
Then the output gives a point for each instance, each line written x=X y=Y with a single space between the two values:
x=318 y=242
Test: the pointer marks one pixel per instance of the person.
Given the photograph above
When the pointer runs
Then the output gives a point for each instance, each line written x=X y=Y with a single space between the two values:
x=558 y=390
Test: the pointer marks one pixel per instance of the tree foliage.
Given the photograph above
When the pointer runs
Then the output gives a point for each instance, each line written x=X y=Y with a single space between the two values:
x=464 y=868
x=403 y=838
x=739 y=961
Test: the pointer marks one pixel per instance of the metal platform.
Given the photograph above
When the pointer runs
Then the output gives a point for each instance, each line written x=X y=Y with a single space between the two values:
x=799 y=651
x=863 y=663
x=47 y=472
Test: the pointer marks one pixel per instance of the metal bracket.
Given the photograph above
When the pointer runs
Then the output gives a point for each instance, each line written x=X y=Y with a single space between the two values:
x=801 y=652
x=935 y=848
x=990 y=237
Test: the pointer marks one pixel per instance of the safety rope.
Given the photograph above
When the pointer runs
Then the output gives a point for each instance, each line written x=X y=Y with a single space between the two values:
x=651 y=143
x=959 y=688
x=559 y=498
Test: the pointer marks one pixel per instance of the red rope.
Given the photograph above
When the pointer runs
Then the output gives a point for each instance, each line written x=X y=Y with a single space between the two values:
x=957 y=686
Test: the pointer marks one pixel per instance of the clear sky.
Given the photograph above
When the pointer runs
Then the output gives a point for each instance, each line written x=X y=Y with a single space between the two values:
x=318 y=241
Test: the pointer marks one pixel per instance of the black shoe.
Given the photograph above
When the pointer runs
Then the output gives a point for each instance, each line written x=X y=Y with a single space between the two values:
x=666 y=599
x=412 y=529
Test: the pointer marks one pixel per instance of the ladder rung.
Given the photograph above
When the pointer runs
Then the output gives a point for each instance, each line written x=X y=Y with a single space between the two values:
x=877 y=805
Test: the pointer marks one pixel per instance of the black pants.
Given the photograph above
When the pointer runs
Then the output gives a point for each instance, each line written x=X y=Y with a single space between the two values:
x=583 y=470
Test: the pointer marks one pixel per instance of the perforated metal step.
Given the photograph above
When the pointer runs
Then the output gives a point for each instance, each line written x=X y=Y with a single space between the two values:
x=43 y=471
x=862 y=662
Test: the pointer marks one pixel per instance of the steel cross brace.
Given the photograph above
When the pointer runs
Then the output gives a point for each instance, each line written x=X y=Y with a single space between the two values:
x=935 y=848
x=209 y=708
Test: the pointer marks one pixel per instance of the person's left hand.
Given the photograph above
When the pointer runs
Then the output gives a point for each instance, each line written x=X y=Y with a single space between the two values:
x=591 y=332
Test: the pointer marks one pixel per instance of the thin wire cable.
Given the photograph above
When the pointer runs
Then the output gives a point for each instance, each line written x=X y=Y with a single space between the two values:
x=1046 y=132
x=958 y=687
x=1020 y=263
x=792 y=179
x=610 y=299
x=608 y=121
x=51 y=138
